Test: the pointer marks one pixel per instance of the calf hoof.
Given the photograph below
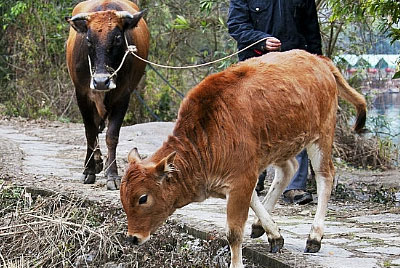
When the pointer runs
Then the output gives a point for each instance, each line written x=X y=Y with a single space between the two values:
x=276 y=244
x=256 y=231
x=88 y=178
x=113 y=182
x=312 y=246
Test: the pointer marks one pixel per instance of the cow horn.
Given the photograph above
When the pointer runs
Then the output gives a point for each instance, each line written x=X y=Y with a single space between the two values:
x=80 y=16
x=124 y=14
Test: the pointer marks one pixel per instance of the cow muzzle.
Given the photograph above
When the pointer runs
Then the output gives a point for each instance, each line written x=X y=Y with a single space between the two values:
x=102 y=82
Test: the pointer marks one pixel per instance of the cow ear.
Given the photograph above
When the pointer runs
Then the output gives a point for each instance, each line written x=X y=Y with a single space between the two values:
x=133 y=156
x=132 y=21
x=78 y=22
x=166 y=166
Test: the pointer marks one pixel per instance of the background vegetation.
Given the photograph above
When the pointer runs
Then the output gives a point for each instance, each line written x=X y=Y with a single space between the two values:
x=34 y=81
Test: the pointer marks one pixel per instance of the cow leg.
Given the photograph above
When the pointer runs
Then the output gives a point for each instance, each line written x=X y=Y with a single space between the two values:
x=115 y=120
x=267 y=223
x=93 y=160
x=237 y=212
x=324 y=172
x=283 y=173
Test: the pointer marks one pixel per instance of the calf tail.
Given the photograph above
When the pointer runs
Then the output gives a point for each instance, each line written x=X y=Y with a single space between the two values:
x=351 y=95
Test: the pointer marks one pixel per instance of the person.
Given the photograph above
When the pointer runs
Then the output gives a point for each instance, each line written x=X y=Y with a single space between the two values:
x=287 y=25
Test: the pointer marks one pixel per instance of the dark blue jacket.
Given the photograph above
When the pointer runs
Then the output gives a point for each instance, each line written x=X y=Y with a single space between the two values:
x=293 y=22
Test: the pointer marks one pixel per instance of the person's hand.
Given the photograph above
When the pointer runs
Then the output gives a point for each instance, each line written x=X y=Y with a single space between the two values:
x=272 y=44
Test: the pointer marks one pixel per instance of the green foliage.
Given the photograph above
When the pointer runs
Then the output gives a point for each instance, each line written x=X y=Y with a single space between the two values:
x=10 y=198
x=184 y=33
x=181 y=23
x=350 y=10
x=396 y=75
x=33 y=78
x=382 y=15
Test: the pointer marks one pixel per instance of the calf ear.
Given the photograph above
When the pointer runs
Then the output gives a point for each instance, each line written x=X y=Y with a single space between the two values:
x=133 y=156
x=166 y=165
x=130 y=21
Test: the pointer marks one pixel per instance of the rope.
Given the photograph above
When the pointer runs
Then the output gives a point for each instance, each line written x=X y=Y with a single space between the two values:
x=132 y=49
x=97 y=147
x=129 y=49
x=197 y=65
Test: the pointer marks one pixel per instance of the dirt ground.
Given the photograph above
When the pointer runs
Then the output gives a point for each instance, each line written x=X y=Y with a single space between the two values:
x=358 y=192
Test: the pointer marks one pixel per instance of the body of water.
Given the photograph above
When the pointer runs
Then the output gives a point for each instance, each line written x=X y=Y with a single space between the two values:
x=384 y=115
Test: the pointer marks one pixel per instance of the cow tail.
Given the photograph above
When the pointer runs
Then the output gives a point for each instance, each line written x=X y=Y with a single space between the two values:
x=351 y=95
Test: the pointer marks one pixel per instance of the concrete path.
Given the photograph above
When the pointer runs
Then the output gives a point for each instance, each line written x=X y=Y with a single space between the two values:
x=357 y=235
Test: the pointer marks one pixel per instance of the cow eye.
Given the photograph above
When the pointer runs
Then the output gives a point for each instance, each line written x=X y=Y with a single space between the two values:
x=118 y=40
x=143 y=199
x=89 y=42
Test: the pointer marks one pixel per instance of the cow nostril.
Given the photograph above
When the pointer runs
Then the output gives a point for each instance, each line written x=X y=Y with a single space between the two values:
x=133 y=239
x=101 y=82
x=107 y=82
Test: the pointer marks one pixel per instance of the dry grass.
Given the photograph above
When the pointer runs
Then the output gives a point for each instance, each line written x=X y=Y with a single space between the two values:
x=60 y=231
x=55 y=231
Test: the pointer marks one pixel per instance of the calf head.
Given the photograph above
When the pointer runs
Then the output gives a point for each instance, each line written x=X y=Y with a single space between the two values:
x=145 y=197
x=104 y=39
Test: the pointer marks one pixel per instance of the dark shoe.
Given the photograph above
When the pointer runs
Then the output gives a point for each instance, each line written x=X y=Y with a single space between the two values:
x=259 y=188
x=260 y=182
x=300 y=197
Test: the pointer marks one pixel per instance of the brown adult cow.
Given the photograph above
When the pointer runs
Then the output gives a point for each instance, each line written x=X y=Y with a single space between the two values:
x=98 y=39
x=230 y=127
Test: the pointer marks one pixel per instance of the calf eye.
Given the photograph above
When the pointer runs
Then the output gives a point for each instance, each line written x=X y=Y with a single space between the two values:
x=143 y=199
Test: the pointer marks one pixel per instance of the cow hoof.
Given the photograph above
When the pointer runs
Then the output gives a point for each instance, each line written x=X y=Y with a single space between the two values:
x=113 y=182
x=256 y=231
x=312 y=246
x=88 y=178
x=276 y=244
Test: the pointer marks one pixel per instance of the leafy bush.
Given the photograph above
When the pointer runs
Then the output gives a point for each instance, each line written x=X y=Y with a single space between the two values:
x=33 y=77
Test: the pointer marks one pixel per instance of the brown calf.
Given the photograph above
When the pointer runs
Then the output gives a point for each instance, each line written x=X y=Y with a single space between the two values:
x=232 y=126
x=99 y=35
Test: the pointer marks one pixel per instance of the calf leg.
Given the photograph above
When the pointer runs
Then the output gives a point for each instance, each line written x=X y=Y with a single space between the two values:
x=324 y=172
x=237 y=212
x=283 y=173
x=115 y=119
x=264 y=218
